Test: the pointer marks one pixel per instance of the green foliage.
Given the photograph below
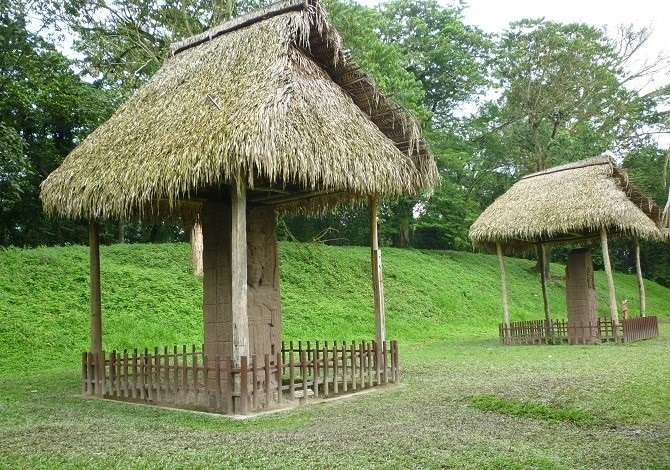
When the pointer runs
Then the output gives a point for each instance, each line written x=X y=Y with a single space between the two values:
x=446 y=55
x=150 y=298
x=124 y=42
x=563 y=94
x=14 y=166
x=360 y=28
x=46 y=109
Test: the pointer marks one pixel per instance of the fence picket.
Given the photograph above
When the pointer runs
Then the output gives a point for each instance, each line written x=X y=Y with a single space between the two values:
x=335 y=355
x=303 y=374
x=279 y=377
x=244 y=385
x=344 y=366
x=325 y=369
x=266 y=369
x=291 y=372
x=254 y=382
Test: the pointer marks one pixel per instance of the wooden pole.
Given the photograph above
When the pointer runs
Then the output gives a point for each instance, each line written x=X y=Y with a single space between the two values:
x=196 y=249
x=610 y=280
x=239 y=271
x=96 y=303
x=545 y=297
x=640 y=279
x=377 y=280
x=503 y=284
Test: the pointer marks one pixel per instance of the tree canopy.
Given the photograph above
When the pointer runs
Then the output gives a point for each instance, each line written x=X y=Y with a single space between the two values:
x=493 y=107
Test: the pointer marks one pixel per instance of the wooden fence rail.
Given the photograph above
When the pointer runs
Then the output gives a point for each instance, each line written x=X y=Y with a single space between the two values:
x=563 y=331
x=187 y=378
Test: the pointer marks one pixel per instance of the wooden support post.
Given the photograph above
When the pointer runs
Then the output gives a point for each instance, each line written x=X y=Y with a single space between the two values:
x=640 y=279
x=503 y=285
x=196 y=249
x=377 y=280
x=96 y=304
x=610 y=280
x=239 y=271
x=545 y=298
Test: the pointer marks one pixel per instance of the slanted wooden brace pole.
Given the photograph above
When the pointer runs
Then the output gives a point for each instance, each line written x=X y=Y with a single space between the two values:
x=239 y=271
x=377 y=280
x=608 y=273
x=503 y=284
x=96 y=304
x=640 y=279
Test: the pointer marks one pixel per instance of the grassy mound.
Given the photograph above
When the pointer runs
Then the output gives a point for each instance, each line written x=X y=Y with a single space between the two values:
x=150 y=298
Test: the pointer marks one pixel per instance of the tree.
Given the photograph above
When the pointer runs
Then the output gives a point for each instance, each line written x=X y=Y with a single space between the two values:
x=564 y=93
x=446 y=55
x=122 y=43
x=448 y=58
x=14 y=167
x=46 y=109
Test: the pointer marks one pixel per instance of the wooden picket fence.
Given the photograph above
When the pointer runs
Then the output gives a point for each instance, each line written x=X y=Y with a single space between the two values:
x=562 y=331
x=636 y=329
x=187 y=378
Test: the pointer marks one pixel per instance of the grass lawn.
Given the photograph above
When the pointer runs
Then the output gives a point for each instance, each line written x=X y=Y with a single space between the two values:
x=465 y=401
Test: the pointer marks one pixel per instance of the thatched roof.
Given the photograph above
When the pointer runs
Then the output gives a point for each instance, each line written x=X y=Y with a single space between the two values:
x=567 y=203
x=270 y=98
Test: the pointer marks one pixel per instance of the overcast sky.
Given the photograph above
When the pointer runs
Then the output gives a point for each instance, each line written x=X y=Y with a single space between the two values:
x=494 y=15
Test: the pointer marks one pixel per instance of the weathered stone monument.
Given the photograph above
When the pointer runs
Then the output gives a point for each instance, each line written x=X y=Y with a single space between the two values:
x=581 y=298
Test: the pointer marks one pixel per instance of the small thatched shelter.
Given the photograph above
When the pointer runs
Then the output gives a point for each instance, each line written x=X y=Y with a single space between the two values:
x=264 y=113
x=270 y=100
x=568 y=204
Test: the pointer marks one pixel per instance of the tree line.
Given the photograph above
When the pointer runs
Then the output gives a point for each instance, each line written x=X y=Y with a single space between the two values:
x=493 y=107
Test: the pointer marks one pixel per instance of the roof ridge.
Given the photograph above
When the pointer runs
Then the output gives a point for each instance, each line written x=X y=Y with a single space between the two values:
x=272 y=10
x=603 y=159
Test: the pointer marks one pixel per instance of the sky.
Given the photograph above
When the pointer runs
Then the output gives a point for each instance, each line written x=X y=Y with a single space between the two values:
x=493 y=16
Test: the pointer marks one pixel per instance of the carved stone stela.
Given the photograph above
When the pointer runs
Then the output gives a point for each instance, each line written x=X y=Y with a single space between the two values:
x=264 y=310
x=581 y=297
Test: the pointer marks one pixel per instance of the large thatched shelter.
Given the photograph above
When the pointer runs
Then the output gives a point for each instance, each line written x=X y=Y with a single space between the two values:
x=569 y=204
x=264 y=113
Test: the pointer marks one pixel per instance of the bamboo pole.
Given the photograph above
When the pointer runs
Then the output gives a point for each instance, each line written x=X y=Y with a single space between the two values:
x=377 y=280
x=610 y=280
x=239 y=271
x=640 y=279
x=545 y=297
x=96 y=303
x=503 y=284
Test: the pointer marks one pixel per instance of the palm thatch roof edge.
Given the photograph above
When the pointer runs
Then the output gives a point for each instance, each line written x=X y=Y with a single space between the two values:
x=271 y=96
x=565 y=204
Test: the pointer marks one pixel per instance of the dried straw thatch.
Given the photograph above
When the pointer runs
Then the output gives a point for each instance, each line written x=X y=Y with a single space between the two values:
x=567 y=203
x=270 y=99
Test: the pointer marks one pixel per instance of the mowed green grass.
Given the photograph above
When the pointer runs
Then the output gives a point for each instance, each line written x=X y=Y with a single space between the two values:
x=465 y=401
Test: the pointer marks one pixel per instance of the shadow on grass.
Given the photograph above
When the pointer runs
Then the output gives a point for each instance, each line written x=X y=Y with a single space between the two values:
x=537 y=411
